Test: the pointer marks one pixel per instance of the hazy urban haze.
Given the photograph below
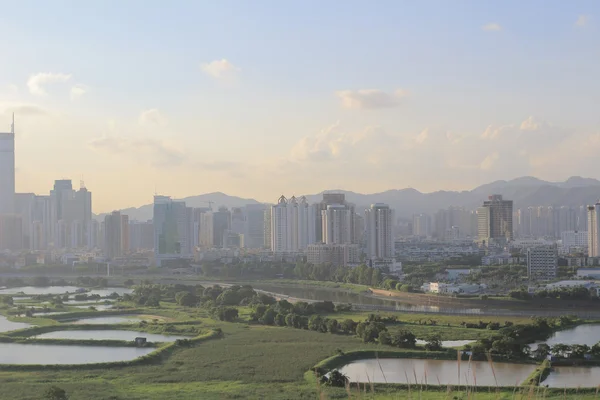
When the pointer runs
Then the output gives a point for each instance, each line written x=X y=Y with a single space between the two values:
x=263 y=98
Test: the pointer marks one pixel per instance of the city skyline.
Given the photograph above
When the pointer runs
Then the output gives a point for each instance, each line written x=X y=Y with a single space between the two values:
x=365 y=104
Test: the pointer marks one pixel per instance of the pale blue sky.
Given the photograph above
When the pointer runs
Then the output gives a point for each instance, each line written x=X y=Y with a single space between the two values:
x=288 y=111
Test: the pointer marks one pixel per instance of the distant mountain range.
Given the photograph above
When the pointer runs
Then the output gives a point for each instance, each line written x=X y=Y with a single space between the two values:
x=525 y=191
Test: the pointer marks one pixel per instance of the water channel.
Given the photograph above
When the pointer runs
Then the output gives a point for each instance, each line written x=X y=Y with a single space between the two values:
x=434 y=372
x=582 y=334
x=41 y=354
x=109 y=335
x=107 y=320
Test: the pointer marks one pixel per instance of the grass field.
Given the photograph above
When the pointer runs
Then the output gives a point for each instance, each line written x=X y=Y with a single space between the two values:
x=250 y=362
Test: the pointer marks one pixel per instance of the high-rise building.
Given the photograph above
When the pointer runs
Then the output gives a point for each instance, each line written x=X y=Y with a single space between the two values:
x=338 y=224
x=11 y=235
x=25 y=207
x=7 y=171
x=421 y=225
x=221 y=225
x=113 y=235
x=172 y=230
x=495 y=220
x=68 y=205
x=542 y=263
x=267 y=229
x=291 y=225
x=125 y=233
x=238 y=220
x=254 y=234
x=141 y=235
x=594 y=230
x=379 y=220
x=328 y=200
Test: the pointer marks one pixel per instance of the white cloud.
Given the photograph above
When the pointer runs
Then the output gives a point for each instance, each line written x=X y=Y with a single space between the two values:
x=153 y=117
x=422 y=137
x=582 y=20
x=489 y=161
x=153 y=151
x=492 y=27
x=220 y=69
x=366 y=99
x=37 y=82
x=531 y=124
x=77 y=91
x=22 y=109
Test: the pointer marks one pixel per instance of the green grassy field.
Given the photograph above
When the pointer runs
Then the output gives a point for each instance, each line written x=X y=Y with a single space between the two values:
x=248 y=362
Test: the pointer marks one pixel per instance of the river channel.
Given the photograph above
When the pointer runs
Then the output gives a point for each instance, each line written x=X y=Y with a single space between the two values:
x=313 y=293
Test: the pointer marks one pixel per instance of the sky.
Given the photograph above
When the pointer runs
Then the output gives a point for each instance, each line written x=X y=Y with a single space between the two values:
x=263 y=98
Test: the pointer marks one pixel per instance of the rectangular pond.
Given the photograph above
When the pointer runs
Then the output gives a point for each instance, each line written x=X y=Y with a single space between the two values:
x=42 y=354
x=433 y=372
x=6 y=325
x=109 y=335
x=573 y=377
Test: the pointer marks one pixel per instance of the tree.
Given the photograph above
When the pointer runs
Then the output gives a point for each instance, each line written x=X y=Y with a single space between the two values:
x=268 y=318
x=541 y=352
x=332 y=325
x=55 y=393
x=324 y=307
x=314 y=322
x=595 y=350
x=579 y=351
x=280 y=320
x=337 y=379
x=561 y=350
x=128 y=282
x=404 y=339
x=348 y=326
x=385 y=338
x=434 y=344
x=186 y=299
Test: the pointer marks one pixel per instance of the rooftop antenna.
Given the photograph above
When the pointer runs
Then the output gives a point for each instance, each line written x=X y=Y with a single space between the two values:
x=12 y=126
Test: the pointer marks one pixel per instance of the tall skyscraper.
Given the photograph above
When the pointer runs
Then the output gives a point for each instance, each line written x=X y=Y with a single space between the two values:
x=255 y=226
x=7 y=171
x=172 y=230
x=379 y=220
x=495 y=220
x=594 y=230
x=113 y=235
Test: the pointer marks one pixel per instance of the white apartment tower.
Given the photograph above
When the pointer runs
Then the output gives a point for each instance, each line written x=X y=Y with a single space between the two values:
x=379 y=219
x=7 y=171
x=292 y=225
x=594 y=230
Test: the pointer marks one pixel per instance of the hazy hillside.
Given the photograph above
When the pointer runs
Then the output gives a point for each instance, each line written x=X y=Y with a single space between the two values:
x=524 y=191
